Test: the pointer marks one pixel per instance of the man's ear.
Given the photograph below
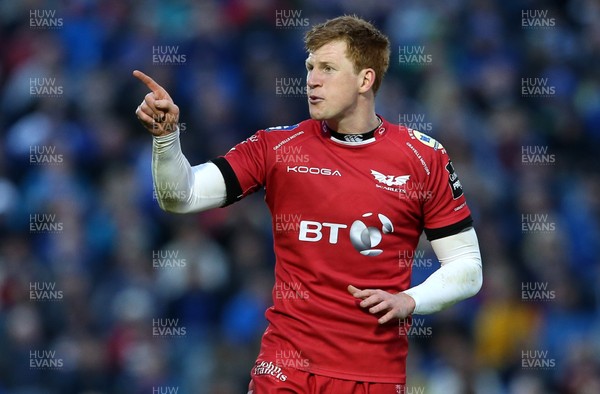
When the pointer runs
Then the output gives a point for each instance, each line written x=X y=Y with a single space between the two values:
x=366 y=79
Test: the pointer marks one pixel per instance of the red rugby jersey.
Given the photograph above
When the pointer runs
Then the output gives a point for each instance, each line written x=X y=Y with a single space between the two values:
x=343 y=213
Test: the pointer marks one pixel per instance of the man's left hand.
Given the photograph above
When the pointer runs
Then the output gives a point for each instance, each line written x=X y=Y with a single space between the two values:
x=397 y=306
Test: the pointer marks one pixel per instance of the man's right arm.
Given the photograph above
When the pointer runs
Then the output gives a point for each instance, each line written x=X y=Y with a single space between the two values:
x=179 y=187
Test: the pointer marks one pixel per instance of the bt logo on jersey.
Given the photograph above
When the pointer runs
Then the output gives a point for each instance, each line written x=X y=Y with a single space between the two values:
x=363 y=236
x=311 y=231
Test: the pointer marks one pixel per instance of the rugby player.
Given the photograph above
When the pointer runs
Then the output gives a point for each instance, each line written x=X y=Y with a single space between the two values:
x=362 y=190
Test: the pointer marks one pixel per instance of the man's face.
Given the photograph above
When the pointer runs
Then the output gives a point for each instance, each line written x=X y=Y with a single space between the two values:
x=332 y=84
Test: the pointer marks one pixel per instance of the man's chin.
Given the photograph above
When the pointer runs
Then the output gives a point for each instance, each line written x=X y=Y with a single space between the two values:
x=316 y=115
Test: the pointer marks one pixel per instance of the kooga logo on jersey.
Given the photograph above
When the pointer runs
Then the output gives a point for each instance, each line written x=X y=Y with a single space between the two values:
x=313 y=170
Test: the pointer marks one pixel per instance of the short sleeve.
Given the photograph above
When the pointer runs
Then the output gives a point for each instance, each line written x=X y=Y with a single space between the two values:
x=243 y=167
x=446 y=212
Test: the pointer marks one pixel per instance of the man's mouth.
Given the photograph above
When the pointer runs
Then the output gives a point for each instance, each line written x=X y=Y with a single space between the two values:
x=314 y=99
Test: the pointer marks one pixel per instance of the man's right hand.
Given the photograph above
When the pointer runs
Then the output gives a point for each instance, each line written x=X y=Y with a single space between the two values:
x=157 y=112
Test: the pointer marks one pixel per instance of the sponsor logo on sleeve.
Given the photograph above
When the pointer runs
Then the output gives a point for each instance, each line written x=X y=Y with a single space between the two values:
x=453 y=181
x=425 y=139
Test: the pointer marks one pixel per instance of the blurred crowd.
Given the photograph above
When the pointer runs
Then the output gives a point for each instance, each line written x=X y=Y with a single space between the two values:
x=102 y=292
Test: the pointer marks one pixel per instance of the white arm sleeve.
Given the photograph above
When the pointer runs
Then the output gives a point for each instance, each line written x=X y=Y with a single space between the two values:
x=179 y=187
x=459 y=277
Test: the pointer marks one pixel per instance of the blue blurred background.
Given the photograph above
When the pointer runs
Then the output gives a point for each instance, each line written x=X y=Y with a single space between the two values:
x=80 y=289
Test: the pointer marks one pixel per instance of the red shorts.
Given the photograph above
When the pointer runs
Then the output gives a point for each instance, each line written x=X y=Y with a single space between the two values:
x=268 y=378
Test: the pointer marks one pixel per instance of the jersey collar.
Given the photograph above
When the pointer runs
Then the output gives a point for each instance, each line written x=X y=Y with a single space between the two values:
x=355 y=139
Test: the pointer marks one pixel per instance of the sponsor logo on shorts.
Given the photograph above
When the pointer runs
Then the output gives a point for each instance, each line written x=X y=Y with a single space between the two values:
x=269 y=368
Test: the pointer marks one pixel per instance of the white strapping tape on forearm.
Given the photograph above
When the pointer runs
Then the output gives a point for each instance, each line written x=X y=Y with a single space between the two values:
x=190 y=189
x=459 y=277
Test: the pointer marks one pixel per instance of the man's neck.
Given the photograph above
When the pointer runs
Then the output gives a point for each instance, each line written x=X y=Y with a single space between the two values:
x=354 y=126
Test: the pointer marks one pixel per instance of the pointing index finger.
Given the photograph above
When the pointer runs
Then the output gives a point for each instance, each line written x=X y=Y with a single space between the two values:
x=158 y=90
